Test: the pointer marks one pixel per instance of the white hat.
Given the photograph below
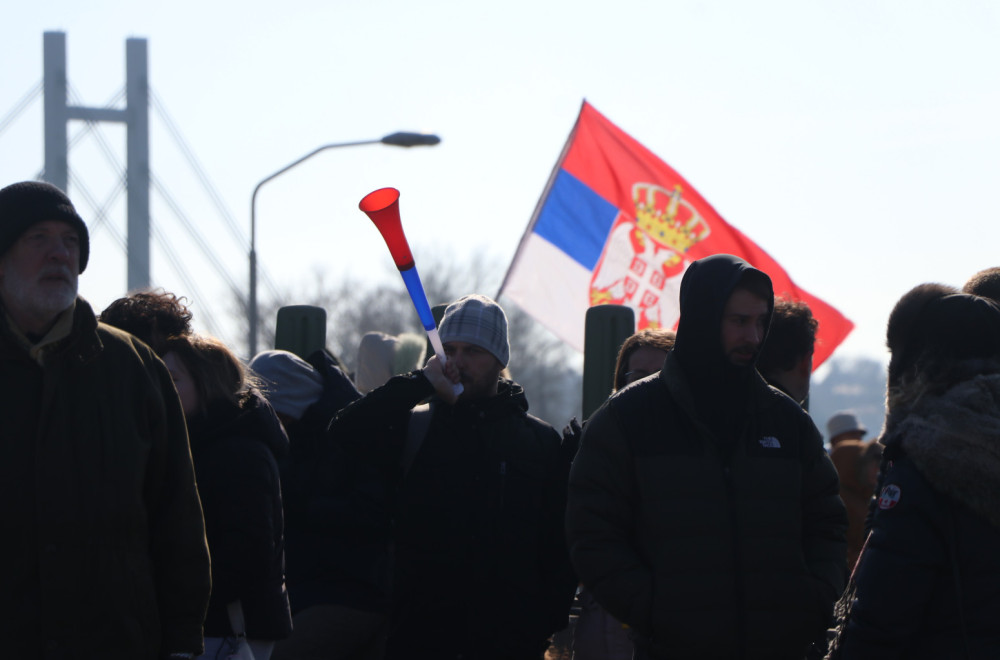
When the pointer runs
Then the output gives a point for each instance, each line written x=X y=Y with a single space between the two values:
x=842 y=422
x=382 y=356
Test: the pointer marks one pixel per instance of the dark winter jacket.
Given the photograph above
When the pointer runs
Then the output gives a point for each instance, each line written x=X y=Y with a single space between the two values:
x=235 y=450
x=336 y=546
x=928 y=583
x=104 y=548
x=481 y=568
x=708 y=546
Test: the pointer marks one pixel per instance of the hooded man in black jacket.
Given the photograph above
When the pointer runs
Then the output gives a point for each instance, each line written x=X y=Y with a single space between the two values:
x=703 y=511
x=478 y=491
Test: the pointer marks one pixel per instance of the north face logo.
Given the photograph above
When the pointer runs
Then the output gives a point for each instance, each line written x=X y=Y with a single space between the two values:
x=770 y=442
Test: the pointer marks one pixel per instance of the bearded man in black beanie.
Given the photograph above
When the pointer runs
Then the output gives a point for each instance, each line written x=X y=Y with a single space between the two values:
x=703 y=510
x=104 y=553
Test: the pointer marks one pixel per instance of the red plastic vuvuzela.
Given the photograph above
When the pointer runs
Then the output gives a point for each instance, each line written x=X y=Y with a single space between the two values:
x=382 y=206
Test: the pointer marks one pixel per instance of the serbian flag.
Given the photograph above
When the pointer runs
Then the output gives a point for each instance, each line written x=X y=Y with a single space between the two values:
x=618 y=225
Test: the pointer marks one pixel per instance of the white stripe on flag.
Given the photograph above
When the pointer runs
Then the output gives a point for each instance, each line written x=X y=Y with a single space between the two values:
x=552 y=287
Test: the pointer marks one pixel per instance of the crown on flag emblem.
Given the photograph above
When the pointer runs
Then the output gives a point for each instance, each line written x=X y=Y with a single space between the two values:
x=668 y=219
x=643 y=257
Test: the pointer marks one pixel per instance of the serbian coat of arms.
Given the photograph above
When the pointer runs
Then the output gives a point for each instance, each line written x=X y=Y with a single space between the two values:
x=643 y=258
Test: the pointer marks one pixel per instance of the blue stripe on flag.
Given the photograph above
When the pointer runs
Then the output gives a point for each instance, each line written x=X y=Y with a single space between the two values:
x=576 y=220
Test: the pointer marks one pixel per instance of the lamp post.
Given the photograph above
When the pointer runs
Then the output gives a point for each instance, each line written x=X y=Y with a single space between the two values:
x=400 y=139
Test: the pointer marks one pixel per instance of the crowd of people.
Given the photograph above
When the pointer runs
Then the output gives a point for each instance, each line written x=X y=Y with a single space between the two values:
x=165 y=499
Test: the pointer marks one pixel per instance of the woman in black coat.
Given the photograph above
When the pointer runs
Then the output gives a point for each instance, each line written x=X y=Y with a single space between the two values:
x=928 y=580
x=236 y=439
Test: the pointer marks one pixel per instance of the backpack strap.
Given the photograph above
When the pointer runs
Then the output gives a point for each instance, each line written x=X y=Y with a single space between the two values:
x=416 y=432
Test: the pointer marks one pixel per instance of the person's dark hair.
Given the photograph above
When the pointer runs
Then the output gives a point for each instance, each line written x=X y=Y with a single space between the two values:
x=659 y=338
x=152 y=316
x=903 y=323
x=792 y=336
x=217 y=373
x=985 y=283
x=956 y=336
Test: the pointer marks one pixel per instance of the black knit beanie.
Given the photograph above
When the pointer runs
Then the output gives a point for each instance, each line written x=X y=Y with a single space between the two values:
x=28 y=202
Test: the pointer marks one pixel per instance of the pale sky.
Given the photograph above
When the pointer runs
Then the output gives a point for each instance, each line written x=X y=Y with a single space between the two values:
x=854 y=141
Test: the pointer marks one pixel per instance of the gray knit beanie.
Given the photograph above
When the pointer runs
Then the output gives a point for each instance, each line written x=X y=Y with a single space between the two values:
x=28 y=202
x=477 y=320
x=292 y=384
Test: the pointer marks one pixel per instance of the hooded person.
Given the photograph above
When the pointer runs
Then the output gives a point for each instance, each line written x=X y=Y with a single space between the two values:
x=703 y=509
x=477 y=492
x=927 y=583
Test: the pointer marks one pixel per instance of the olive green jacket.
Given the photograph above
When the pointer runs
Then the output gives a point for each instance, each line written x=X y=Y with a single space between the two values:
x=104 y=551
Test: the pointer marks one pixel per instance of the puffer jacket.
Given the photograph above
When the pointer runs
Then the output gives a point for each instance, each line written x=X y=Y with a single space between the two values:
x=235 y=450
x=707 y=556
x=703 y=511
x=480 y=562
x=928 y=582
x=104 y=552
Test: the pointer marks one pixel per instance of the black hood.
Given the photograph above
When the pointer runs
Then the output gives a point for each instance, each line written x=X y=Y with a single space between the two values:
x=720 y=388
x=706 y=287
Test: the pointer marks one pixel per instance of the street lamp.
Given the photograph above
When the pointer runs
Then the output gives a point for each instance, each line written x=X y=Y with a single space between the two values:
x=400 y=139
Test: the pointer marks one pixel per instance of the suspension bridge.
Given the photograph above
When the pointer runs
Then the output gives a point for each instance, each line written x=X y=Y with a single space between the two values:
x=181 y=233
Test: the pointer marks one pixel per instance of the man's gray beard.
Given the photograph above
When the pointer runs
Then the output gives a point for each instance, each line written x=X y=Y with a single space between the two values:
x=47 y=301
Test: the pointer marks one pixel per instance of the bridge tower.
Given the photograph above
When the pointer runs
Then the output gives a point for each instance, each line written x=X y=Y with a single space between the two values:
x=135 y=116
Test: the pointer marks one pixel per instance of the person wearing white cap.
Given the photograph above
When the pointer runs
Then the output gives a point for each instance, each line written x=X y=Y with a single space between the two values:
x=857 y=467
x=844 y=425
x=480 y=566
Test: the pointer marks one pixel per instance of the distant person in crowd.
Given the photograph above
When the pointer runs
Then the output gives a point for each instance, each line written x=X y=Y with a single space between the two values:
x=480 y=567
x=152 y=316
x=927 y=584
x=336 y=542
x=786 y=359
x=598 y=635
x=844 y=425
x=382 y=356
x=104 y=537
x=985 y=283
x=641 y=355
x=857 y=466
x=236 y=439
x=703 y=509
